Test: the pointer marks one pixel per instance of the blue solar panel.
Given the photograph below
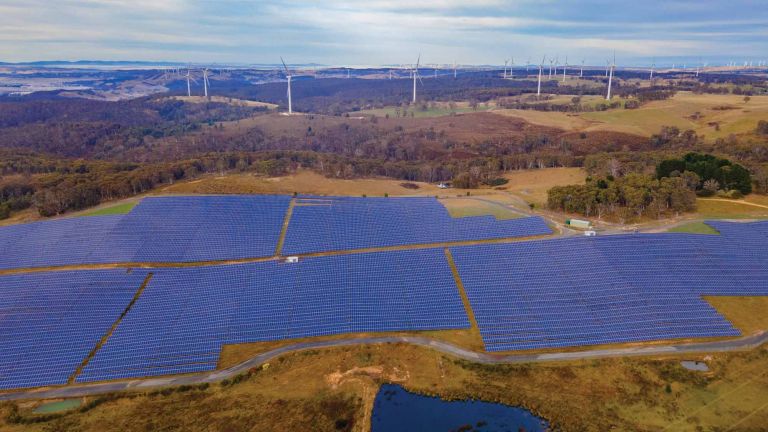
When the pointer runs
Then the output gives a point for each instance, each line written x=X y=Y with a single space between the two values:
x=343 y=223
x=587 y=291
x=159 y=229
x=49 y=322
x=185 y=315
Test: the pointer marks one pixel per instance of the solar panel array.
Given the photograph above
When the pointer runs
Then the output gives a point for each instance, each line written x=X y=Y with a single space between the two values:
x=159 y=229
x=185 y=315
x=342 y=223
x=587 y=291
x=49 y=322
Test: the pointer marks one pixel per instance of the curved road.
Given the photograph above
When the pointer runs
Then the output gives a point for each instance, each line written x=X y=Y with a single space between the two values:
x=743 y=343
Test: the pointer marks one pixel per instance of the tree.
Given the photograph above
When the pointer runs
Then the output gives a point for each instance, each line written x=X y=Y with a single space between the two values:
x=711 y=186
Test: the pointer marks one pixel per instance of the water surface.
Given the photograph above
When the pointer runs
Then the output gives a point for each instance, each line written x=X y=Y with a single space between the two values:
x=397 y=410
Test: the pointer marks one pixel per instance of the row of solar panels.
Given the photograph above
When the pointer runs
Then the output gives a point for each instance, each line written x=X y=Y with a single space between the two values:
x=586 y=291
x=212 y=228
x=542 y=294
x=49 y=322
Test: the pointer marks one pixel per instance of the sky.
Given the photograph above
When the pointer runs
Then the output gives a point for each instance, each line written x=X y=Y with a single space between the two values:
x=384 y=32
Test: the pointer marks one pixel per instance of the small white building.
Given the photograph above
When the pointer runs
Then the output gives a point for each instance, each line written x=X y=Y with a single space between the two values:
x=443 y=186
x=291 y=260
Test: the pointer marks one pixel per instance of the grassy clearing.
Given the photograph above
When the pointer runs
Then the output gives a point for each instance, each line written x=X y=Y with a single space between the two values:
x=119 y=209
x=746 y=313
x=558 y=120
x=739 y=118
x=728 y=209
x=226 y=100
x=694 y=228
x=466 y=207
x=434 y=110
x=315 y=389
x=532 y=185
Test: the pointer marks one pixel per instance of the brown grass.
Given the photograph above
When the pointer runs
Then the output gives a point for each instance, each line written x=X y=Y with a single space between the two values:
x=748 y=314
x=532 y=185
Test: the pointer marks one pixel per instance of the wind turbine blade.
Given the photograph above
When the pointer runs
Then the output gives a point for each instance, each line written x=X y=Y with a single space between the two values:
x=417 y=62
x=284 y=66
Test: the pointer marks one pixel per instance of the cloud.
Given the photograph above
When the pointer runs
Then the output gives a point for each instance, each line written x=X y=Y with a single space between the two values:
x=376 y=31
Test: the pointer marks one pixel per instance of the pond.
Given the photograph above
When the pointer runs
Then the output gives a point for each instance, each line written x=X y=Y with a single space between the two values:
x=53 y=407
x=397 y=410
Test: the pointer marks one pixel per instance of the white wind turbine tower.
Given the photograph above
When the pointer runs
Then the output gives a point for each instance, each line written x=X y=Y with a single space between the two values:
x=189 y=86
x=653 y=65
x=610 y=77
x=288 y=75
x=551 y=62
x=511 y=66
x=205 y=82
x=581 y=71
x=527 y=65
x=505 y=68
x=565 y=67
x=541 y=69
x=454 y=69
x=416 y=75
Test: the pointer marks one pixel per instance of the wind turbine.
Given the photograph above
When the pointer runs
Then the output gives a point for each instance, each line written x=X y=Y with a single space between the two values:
x=610 y=77
x=189 y=86
x=653 y=65
x=527 y=65
x=541 y=69
x=551 y=62
x=505 y=68
x=416 y=75
x=565 y=67
x=454 y=69
x=288 y=75
x=511 y=66
x=205 y=82
x=581 y=71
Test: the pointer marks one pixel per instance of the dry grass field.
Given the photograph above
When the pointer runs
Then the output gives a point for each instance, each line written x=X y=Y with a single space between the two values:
x=304 y=182
x=464 y=207
x=746 y=313
x=714 y=208
x=227 y=100
x=738 y=117
x=532 y=185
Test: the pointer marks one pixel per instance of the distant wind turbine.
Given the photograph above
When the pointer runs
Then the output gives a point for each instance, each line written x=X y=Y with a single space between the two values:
x=541 y=69
x=189 y=86
x=565 y=67
x=505 y=68
x=581 y=71
x=511 y=66
x=610 y=77
x=206 y=83
x=454 y=69
x=653 y=65
x=415 y=76
x=288 y=76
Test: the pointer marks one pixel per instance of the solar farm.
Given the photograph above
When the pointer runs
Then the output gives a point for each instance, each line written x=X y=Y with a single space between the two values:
x=199 y=273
